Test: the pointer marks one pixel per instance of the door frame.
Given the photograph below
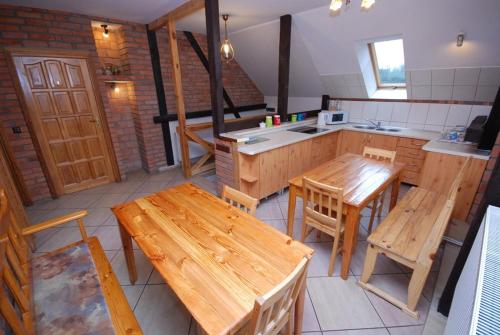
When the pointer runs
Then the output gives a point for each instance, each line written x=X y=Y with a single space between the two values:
x=60 y=53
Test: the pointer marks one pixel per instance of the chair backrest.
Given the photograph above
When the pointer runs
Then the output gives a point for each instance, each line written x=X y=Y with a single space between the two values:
x=379 y=154
x=271 y=311
x=322 y=204
x=239 y=200
x=15 y=302
x=457 y=182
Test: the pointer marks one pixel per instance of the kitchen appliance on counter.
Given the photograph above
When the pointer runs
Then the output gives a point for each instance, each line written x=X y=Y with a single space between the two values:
x=475 y=130
x=330 y=117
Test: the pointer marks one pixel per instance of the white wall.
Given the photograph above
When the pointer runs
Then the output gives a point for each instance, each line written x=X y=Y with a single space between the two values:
x=325 y=45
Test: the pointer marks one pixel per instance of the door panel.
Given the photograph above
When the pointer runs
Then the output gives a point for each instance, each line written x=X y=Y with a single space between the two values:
x=63 y=109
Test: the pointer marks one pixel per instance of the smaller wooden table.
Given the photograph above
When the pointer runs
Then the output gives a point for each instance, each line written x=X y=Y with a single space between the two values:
x=216 y=258
x=362 y=180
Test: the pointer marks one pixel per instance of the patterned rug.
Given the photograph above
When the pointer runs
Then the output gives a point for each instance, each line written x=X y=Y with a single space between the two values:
x=68 y=297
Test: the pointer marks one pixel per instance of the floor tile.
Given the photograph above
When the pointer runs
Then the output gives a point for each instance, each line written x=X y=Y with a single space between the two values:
x=110 y=200
x=413 y=330
x=341 y=304
x=269 y=210
x=373 y=331
x=397 y=286
x=109 y=236
x=159 y=312
x=298 y=209
x=152 y=187
x=143 y=267
x=61 y=238
x=155 y=278
x=384 y=265
x=133 y=293
x=310 y=321
x=77 y=201
x=279 y=224
x=97 y=216
x=318 y=267
x=43 y=236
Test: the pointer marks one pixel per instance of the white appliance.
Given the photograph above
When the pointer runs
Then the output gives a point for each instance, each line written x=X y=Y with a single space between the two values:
x=329 y=117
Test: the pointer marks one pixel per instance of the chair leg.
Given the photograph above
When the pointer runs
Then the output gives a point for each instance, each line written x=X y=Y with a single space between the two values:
x=303 y=233
x=318 y=235
x=370 y=261
x=417 y=284
x=372 y=215
x=381 y=206
x=333 y=256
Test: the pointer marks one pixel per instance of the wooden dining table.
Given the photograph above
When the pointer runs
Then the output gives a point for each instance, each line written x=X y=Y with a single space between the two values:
x=362 y=180
x=216 y=258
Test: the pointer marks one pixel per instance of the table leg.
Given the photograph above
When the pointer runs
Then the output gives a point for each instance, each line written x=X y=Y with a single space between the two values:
x=350 y=238
x=299 y=310
x=129 y=254
x=292 y=201
x=395 y=192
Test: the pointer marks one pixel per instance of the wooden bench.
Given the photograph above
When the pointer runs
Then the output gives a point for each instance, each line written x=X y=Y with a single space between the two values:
x=411 y=234
x=47 y=294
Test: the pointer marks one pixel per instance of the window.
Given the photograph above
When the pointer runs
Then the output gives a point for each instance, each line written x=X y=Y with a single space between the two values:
x=388 y=63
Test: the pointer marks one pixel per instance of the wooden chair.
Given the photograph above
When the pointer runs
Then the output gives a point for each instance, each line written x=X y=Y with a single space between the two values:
x=274 y=311
x=17 y=305
x=411 y=235
x=239 y=200
x=323 y=211
x=378 y=203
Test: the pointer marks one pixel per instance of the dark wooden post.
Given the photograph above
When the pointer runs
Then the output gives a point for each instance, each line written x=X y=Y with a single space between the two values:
x=325 y=102
x=284 y=65
x=214 y=64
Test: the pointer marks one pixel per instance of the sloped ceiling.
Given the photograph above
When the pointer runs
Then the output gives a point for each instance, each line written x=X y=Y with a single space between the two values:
x=325 y=44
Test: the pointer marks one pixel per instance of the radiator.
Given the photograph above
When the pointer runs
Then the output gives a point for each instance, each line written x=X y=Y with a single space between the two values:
x=476 y=303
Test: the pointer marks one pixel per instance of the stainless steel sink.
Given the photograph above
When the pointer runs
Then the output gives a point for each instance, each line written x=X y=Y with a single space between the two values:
x=388 y=129
x=364 y=126
x=255 y=140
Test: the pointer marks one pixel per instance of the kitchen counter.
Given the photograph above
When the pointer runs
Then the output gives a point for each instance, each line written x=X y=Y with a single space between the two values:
x=279 y=136
x=456 y=149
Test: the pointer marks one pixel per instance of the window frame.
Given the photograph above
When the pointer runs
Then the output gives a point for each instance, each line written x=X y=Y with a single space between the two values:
x=373 y=57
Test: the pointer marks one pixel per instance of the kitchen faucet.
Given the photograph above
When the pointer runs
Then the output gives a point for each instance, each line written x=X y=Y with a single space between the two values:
x=377 y=124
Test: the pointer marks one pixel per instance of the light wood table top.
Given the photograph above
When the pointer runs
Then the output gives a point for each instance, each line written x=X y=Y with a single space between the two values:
x=359 y=177
x=362 y=180
x=216 y=258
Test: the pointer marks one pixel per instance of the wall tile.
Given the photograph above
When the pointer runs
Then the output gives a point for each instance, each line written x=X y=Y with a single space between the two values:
x=433 y=127
x=478 y=110
x=370 y=110
x=458 y=115
x=384 y=111
x=437 y=114
x=415 y=125
x=489 y=76
x=356 y=110
x=486 y=93
x=420 y=77
x=466 y=76
x=442 y=76
x=398 y=124
x=464 y=93
x=400 y=112
x=418 y=113
x=441 y=92
x=421 y=92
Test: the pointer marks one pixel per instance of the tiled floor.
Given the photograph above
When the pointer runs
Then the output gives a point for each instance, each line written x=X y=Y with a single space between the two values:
x=333 y=306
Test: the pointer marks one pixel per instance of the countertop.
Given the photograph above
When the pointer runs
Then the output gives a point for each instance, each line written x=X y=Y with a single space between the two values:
x=278 y=136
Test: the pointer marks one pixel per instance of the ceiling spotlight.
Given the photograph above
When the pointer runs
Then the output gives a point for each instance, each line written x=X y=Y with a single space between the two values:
x=367 y=4
x=460 y=39
x=105 y=30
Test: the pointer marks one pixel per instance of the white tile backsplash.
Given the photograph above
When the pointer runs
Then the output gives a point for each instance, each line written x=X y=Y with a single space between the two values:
x=356 y=109
x=420 y=77
x=486 y=93
x=458 y=115
x=437 y=114
x=384 y=111
x=433 y=127
x=370 y=110
x=418 y=113
x=441 y=92
x=442 y=76
x=489 y=76
x=478 y=110
x=419 y=126
x=400 y=112
x=466 y=76
x=464 y=93
x=421 y=92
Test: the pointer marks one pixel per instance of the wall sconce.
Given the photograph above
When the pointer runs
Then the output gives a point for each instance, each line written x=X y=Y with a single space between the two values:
x=105 y=30
x=460 y=39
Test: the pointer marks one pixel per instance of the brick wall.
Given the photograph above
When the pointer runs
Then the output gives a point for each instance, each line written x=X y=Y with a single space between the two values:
x=196 y=86
x=137 y=141
x=495 y=156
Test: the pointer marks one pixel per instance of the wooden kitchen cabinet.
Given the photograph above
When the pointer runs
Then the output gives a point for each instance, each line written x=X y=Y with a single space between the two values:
x=355 y=141
x=273 y=171
x=409 y=151
x=324 y=148
x=299 y=158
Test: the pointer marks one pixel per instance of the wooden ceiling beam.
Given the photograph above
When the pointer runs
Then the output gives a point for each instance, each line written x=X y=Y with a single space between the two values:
x=180 y=12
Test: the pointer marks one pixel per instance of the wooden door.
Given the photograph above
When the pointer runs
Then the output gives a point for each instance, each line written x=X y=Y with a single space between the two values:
x=63 y=113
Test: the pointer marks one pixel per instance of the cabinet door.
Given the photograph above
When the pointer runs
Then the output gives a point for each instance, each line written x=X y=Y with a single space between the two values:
x=299 y=158
x=353 y=142
x=324 y=148
x=273 y=171
x=382 y=141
